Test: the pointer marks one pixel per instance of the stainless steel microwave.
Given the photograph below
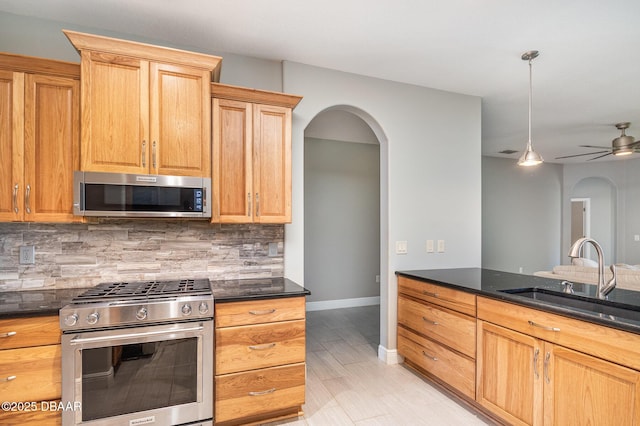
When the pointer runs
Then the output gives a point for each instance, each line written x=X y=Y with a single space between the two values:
x=130 y=195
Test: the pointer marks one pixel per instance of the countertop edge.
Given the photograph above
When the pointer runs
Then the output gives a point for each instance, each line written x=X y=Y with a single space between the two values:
x=620 y=324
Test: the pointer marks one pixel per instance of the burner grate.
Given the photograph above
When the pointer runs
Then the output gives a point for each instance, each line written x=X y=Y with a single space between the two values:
x=145 y=289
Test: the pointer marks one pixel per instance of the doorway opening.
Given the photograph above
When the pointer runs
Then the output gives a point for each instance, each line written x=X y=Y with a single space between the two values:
x=342 y=212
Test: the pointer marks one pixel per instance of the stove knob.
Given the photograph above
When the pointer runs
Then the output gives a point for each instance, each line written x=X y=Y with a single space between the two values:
x=92 y=319
x=186 y=309
x=71 y=320
x=142 y=313
x=203 y=308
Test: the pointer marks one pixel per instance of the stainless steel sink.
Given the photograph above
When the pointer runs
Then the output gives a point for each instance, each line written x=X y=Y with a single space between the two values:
x=603 y=308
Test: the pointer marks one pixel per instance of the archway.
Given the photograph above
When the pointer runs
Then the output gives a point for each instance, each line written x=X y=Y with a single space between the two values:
x=336 y=139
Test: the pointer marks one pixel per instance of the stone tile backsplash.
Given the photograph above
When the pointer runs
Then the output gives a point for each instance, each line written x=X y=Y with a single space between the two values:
x=83 y=255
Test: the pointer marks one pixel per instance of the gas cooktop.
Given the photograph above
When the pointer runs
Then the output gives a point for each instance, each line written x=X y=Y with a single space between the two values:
x=144 y=289
x=126 y=304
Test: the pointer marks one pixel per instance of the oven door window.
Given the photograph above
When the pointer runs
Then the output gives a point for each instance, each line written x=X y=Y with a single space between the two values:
x=137 y=377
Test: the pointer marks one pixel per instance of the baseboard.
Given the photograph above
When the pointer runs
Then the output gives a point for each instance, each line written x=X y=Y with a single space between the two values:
x=389 y=356
x=342 y=303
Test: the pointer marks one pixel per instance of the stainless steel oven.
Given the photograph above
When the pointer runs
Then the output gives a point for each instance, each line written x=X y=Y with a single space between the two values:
x=138 y=360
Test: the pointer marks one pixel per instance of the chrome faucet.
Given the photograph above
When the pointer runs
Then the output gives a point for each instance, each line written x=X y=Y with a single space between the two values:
x=602 y=289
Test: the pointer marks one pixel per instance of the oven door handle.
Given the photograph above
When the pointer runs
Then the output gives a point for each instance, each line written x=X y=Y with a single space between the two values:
x=80 y=340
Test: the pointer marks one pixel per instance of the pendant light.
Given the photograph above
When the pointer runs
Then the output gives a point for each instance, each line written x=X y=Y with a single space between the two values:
x=530 y=157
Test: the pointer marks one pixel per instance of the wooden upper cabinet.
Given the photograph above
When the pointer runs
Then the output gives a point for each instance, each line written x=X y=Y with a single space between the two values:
x=39 y=140
x=145 y=109
x=11 y=144
x=233 y=159
x=180 y=120
x=115 y=119
x=272 y=163
x=251 y=155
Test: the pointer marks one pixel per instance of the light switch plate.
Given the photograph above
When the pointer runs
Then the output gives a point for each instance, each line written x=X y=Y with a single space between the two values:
x=440 y=246
x=401 y=247
x=430 y=246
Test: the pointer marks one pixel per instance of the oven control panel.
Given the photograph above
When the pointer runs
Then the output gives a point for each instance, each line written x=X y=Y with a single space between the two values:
x=135 y=312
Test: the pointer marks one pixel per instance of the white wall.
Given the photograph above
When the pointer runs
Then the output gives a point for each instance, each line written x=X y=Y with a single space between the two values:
x=342 y=223
x=624 y=175
x=430 y=172
x=521 y=212
x=534 y=231
x=44 y=38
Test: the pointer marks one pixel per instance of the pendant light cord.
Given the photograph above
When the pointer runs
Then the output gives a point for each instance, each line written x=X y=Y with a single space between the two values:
x=530 y=90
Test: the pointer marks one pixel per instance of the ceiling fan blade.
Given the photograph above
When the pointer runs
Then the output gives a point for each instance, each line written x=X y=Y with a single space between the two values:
x=580 y=155
x=595 y=146
x=595 y=158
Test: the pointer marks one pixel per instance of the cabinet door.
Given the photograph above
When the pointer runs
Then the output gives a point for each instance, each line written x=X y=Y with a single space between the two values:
x=232 y=161
x=583 y=390
x=51 y=147
x=11 y=145
x=272 y=164
x=509 y=376
x=180 y=120
x=115 y=113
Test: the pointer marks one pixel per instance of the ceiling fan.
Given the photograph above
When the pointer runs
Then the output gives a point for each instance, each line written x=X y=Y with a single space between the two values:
x=622 y=145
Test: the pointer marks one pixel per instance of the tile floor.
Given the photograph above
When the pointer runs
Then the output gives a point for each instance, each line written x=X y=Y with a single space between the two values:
x=348 y=385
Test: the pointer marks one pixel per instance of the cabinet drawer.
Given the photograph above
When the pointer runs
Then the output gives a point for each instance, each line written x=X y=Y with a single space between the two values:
x=451 y=328
x=40 y=417
x=453 y=299
x=256 y=392
x=604 y=342
x=259 y=311
x=37 y=374
x=452 y=368
x=32 y=331
x=250 y=347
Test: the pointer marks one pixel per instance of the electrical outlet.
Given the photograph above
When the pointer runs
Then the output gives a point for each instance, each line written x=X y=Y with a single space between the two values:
x=378 y=278
x=273 y=249
x=27 y=255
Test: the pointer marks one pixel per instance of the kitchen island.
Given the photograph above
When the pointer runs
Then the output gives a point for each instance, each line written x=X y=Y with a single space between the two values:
x=518 y=359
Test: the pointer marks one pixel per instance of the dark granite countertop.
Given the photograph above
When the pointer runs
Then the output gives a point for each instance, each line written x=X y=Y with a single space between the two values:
x=255 y=289
x=496 y=284
x=30 y=303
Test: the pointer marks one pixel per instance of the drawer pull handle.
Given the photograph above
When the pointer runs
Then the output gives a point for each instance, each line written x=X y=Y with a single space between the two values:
x=15 y=199
x=546 y=367
x=433 y=358
x=265 y=312
x=429 y=321
x=428 y=293
x=262 y=347
x=8 y=334
x=8 y=379
x=543 y=326
x=536 y=355
x=265 y=392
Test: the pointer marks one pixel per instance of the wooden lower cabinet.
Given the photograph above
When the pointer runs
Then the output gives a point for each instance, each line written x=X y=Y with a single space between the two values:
x=437 y=335
x=526 y=380
x=585 y=390
x=449 y=366
x=30 y=370
x=259 y=360
x=247 y=394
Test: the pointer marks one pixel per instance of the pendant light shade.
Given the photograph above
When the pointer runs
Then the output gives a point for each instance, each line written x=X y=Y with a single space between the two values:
x=530 y=157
